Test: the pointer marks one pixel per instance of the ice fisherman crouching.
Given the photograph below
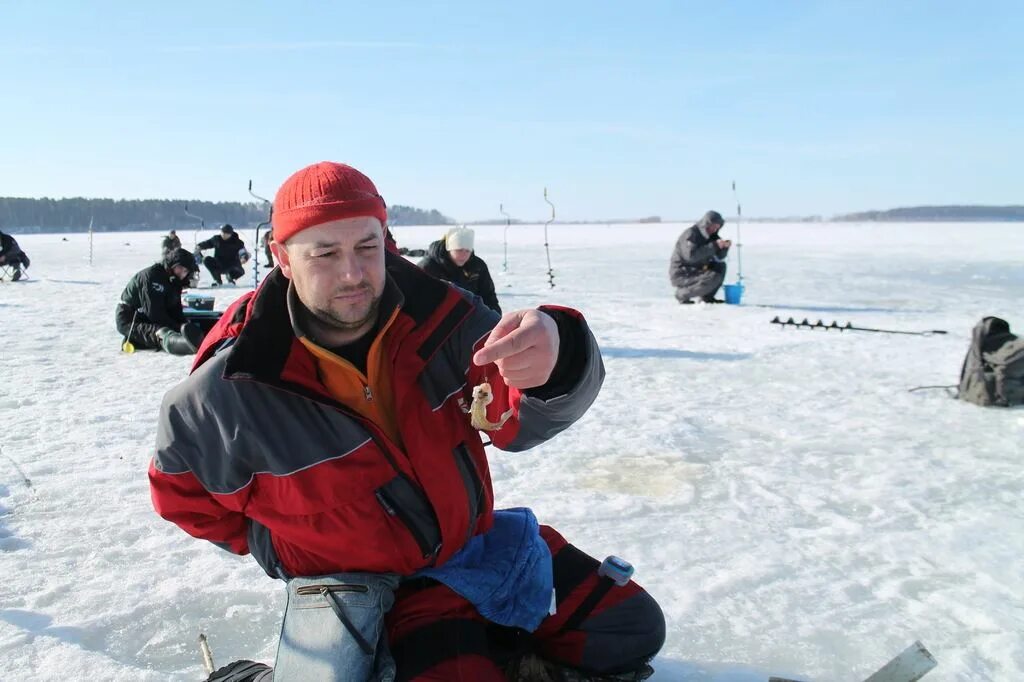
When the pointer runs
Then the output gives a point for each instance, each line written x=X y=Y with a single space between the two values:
x=149 y=315
x=697 y=268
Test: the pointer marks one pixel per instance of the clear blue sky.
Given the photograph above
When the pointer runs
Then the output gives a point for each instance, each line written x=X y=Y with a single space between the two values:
x=622 y=109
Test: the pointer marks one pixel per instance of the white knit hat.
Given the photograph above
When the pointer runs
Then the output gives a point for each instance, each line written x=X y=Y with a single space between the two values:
x=459 y=238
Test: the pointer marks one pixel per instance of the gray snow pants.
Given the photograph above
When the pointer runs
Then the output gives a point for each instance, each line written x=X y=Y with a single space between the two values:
x=701 y=284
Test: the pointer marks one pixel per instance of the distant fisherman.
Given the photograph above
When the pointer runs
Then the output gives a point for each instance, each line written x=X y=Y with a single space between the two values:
x=229 y=255
x=11 y=257
x=453 y=260
x=150 y=314
x=170 y=243
x=697 y=269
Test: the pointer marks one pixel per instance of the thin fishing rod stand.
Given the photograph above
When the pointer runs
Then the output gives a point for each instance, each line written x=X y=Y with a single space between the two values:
x=739 y=238
x=807 y=324
x=256 y=245
x=508 y=221
x=547 y=251
x=195 y=233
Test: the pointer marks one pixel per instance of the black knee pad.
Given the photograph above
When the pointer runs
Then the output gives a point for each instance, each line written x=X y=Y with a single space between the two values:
x=625 y=636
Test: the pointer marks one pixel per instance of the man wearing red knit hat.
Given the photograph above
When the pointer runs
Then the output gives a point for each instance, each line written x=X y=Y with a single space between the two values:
x=330 y=427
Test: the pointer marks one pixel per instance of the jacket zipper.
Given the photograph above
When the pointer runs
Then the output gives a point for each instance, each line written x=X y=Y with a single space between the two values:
x=318 y=589
x=394 y=510
x=474 y=486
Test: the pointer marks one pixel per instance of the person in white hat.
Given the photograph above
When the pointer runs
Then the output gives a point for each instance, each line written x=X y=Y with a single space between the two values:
x=452 y=259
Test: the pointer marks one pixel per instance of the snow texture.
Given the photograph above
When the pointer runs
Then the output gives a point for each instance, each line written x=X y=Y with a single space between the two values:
x=795 y=510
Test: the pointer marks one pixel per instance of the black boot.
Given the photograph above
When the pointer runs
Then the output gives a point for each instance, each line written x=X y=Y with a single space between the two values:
x=175 y=343
x=531 y=668
x=243 y=671
x=193 y=334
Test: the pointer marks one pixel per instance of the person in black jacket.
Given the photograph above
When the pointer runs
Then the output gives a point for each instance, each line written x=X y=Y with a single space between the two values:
x=229 y=255
x=170 y=243
x=697 y=269
x=452 y=259
x=265 y=241
x=11 y=257
x=150 y=315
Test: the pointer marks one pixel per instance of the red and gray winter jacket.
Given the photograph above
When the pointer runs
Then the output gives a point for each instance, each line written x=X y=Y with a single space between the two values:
x=255 y=455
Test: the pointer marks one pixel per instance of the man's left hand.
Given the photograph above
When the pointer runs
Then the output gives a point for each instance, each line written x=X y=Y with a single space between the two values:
x=524 y=346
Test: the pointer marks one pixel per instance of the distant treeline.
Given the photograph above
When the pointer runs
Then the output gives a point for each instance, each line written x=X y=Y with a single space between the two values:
x=108 y=215
x=604 y=221
x=940 y=214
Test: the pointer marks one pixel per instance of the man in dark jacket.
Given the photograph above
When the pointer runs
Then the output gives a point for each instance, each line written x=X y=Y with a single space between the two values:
x=452 y=259
x=170 y=243
x=324 y=430
x=150 y=315
x=12 y=257
x=697 y=269
x=266 y=240
x=229 y=255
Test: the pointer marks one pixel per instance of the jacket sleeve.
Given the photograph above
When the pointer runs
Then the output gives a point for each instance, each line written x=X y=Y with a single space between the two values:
x=123 y=317
x=487 y=291
x=126 y=317
x=180 y=496
x=207 y=244
x=675 y=263
x=130 y=293
x=158 y=305
x=537 y=415
x=140 y=295
x=174 y=309
x=429 y=266
x=691 y=254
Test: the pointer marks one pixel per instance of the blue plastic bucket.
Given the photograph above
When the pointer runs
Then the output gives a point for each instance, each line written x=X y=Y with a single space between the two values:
x=733 y=293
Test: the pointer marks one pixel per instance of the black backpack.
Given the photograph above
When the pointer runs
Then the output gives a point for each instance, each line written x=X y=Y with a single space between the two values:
x=993 y=371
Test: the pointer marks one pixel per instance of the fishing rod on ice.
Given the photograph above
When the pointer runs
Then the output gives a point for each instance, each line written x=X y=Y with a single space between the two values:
x=256 y=244
x=195 y=234
x=547 y=251
x=739 y=241
x=508 y=221
x=807 y=324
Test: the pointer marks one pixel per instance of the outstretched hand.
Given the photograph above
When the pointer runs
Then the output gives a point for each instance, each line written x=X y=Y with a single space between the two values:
x=524 y=346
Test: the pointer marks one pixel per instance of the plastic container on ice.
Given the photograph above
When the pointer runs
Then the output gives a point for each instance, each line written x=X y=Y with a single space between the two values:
x=198 y=301
x=733 y=293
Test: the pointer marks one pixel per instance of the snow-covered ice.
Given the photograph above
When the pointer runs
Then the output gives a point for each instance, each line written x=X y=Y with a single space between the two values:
x=792 y=506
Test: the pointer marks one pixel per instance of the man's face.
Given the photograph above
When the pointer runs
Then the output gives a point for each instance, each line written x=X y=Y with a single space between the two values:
x=338 y=272
x=182 y=273
x=713 y=228
x=460 y=256
x=226 y=235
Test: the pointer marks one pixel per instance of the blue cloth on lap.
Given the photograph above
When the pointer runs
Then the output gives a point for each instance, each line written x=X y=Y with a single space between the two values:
x=505 y=573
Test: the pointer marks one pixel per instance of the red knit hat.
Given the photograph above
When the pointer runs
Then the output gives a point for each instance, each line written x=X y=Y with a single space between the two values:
x=323 y=192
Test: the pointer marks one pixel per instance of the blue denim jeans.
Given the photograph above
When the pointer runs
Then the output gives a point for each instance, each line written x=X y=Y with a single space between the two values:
x=333 y=629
